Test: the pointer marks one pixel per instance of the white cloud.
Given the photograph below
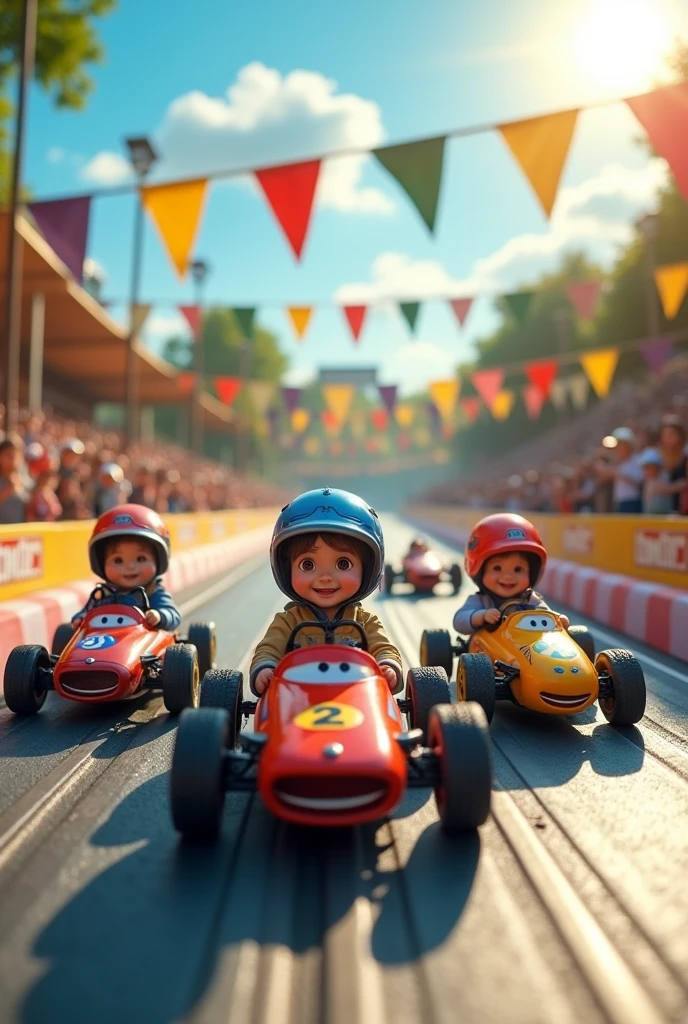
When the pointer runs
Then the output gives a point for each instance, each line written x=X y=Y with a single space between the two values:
x=55 y=155
x=107 y=168
x=161 y=326
x=299 y=376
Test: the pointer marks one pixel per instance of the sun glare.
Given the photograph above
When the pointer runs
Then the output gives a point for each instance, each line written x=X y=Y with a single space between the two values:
x=621 y=44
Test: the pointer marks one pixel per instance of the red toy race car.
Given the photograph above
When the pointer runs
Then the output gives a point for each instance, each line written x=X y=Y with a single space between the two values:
x=329 y=746
x=114 y=654
x=423 y=570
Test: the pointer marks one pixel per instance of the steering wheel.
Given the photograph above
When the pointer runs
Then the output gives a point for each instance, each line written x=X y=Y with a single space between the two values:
x=99 y=592
x=505 y=611
x=329 y=631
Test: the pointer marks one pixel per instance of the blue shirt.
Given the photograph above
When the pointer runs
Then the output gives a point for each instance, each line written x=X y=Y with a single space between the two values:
x=160 y=600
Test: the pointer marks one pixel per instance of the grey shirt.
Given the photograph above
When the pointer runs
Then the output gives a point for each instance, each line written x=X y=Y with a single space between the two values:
x=12 y=508
x=479 y=602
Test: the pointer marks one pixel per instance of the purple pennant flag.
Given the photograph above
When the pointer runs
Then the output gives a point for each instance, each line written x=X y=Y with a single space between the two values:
x=64 y=225
x=291 y=398
x=657 y=352
x=388 y=394
x=434 y=415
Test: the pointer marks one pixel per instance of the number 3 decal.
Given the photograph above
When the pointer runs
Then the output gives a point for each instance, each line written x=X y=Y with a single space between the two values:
x=329 y=716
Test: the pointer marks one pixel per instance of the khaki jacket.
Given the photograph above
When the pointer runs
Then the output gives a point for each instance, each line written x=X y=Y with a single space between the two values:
x=272 y=647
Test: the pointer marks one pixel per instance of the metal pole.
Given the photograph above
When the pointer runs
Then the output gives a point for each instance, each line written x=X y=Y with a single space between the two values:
x=36 y=352
x=196 y=411
x=132 y=391
x=15 y=242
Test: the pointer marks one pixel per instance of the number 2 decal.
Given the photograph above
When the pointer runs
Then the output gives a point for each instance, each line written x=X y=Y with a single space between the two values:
x=329 y=716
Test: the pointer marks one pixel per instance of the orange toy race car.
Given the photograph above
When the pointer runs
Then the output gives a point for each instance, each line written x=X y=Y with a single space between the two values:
x=423 y=570
x=112 y=655
x=329 y=746
x=529 y=658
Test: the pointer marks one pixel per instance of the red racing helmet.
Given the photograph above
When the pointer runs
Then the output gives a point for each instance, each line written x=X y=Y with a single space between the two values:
x=129 y=521
x=498 y=534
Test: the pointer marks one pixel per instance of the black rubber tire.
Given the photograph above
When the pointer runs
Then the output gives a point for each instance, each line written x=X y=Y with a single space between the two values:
x=436 y=649
x=202 y=637
x=180 y=678
x=224 y=688
x=627 y=705
x=63 y=634
x=585 y=640
x=460 y=736
x=475 y=681
x=389 y=577
x=196 y=784
x=456 y=576
x=425 y=688
x=23 y=692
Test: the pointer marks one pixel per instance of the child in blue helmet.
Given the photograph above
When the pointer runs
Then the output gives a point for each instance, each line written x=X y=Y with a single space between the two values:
x=327 y=554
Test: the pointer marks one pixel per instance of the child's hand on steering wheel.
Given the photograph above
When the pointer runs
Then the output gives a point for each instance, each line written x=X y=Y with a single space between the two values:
x=492 y=615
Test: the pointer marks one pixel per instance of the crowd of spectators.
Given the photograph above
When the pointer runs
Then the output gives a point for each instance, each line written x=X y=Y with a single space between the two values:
x=58 y=469
x=629 y=454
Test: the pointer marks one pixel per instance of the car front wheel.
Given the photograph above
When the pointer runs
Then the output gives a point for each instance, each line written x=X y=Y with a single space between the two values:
x=622 y=687
x=224 y=688
x=475 y=681
x=196 y=785
x=425 y=688
x=180 y=678
x=24 y=685
x=459 y=735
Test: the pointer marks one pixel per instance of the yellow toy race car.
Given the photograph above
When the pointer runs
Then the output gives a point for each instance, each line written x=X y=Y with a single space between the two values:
x=529 y=658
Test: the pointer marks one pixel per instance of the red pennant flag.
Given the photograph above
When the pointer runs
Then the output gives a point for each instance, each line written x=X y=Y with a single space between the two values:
x=487 y=383
x=185 y=383
x=380 y=418
x=542 y=374
x=290 y=192
x=471 y=408
x=227 y=388
x=462 y=308
x=355 y=315
x=329 y=419
x=533 y=399
x=192 y=315
x=664 y=116
x=583 y=296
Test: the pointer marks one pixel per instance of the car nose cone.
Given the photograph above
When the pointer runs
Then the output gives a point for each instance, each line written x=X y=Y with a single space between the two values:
x=333 y=750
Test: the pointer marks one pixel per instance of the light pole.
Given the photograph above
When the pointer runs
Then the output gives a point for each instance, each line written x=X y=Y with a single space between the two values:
x=142 y=157
x=648 y=225
x=199 y=272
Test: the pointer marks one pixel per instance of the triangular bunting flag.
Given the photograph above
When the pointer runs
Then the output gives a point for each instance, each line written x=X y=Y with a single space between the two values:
x=578 y=389
x=417 y=166
x=139 y=315
x=470 y=407
x=227 y=388
x=583 y=296
x=358 y=424
x=664 y=116
x=245 y=316
x=487 y=383
x=540 y=146
x=261 y=392
x=599 y=368
x=338 y=398
x=558 y=393
x=192 y=315
x=503 y=404
x=185 y=383
x=331 y=422
x=404 y=414
x=533 y=399
x=290 y=191
x=519 y=304
x=388 y=394
x=64 y=225
x=444 y=394
x=672 y=283
x=410 y=313
x=657 y=352
x=380 y=418
x=355 y=316
x=541 y=374
x=291 y=398
x=300 y=317
x=300 y=418
x=176 y=212
x=462 y=308
x=422 y=437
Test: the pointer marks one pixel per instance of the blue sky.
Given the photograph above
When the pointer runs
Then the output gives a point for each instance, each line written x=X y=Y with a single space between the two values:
x=282 y=80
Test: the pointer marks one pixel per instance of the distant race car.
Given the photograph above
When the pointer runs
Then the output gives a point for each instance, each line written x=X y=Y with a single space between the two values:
x=529 y=658
x=329 y=746
x=114 y=654
x=423 y=570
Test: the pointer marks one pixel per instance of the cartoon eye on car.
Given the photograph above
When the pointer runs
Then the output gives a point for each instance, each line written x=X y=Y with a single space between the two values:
x=114 y=654
x=529 y=658
x=329 y=745
x=423 y=570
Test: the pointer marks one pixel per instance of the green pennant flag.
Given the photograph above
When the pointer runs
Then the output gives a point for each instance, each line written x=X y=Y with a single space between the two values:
x=519 y=304
x=410 y=311
x=417 y=166
x=244 y=316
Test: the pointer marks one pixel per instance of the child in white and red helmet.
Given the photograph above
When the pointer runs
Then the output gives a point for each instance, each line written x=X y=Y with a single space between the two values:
x=130 y=548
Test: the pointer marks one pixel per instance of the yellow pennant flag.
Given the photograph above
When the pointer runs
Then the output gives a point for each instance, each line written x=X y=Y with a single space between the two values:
x=300 y=318
x=540 y=146
x=502 y=404
x=404 y=413
x=672 y=284
x=445 y=394
x=358 y=424
x=176 y=212
x=261 y=392
x=300 y=418
x=338 y=399
x=599 y=369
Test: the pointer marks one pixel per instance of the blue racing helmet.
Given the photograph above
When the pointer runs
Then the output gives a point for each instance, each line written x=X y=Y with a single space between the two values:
x=329 y=510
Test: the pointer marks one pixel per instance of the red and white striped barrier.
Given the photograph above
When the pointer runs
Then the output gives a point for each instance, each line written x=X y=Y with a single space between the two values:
x=34 y=618
x=651 y=612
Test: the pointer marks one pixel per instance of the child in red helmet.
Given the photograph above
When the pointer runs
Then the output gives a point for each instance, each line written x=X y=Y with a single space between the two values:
x=130 y=548
x=505 y=558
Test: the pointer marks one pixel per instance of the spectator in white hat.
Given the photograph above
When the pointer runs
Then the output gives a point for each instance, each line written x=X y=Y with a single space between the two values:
x=110 y=490
x=625 y=472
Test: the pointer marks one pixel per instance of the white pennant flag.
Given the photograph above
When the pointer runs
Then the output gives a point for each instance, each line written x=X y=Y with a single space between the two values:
x=579 y=387
x=558 y=393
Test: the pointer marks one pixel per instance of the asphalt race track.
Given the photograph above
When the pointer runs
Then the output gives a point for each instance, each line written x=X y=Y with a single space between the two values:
x=570 y=905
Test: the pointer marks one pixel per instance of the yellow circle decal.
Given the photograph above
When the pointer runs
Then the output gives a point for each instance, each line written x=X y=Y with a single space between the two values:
x=329 y=716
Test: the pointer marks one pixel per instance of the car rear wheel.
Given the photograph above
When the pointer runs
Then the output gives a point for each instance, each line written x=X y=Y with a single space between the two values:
x=63 y=634
x=456 y=577
x=180 y=678
x=389 y=577
x=196 y=785
x=202 y=637
x=460 y=737
x=475 y=680
x=24 y=687
x=436 y=649
x=625 y=703
x=224 y=688
x=425 y=688
x=585 y=640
